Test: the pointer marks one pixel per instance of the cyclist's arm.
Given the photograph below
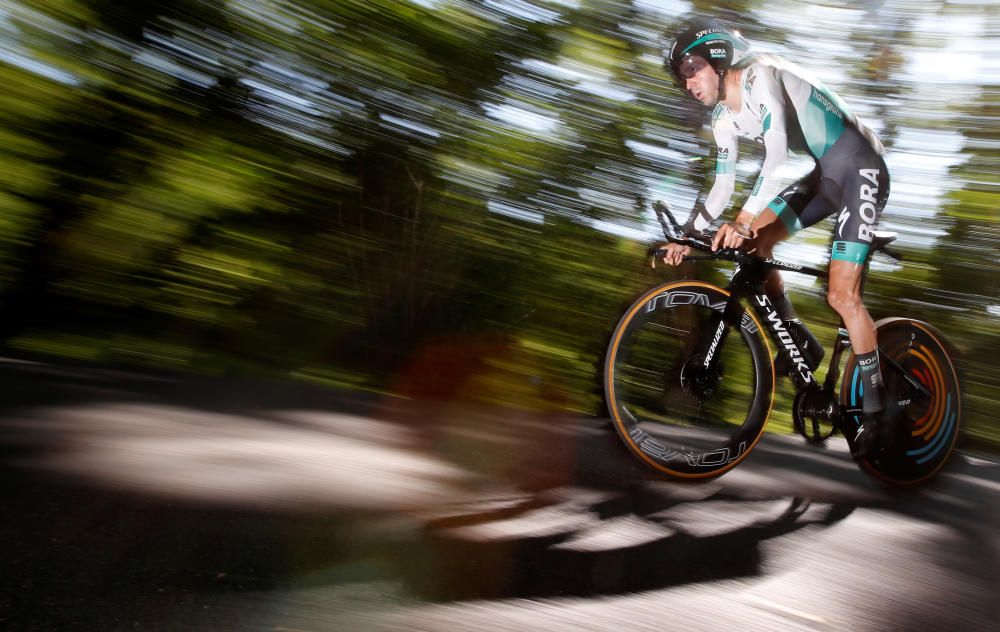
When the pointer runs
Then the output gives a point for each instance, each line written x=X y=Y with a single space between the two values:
x=725 y=174
x=766 y=94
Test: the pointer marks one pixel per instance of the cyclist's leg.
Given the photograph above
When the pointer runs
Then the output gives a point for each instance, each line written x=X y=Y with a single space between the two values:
x=797 y=207
x=844 y=296
x=864 y=189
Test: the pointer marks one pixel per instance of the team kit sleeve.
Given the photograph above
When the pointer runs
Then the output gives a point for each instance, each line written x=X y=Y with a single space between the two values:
x=725 y=173
x=766 y=94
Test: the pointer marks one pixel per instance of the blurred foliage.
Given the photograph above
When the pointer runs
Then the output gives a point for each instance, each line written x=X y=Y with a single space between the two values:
x=435 y=198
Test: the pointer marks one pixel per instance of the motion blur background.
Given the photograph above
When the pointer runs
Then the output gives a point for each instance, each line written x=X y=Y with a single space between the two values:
x=444 y=199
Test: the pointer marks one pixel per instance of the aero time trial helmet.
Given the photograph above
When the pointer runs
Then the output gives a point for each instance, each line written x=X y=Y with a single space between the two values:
x=710 y=40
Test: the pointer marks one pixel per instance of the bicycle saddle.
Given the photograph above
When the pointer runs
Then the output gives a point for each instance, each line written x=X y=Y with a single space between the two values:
x=883 y=238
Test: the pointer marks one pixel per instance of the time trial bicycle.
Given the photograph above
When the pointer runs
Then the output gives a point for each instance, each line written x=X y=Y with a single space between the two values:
x=689 y=378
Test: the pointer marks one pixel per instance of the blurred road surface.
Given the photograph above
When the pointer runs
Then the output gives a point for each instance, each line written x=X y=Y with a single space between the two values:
x=145 y=501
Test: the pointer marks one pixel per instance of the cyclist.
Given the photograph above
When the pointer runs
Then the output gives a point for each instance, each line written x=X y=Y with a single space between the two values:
x=770 y=101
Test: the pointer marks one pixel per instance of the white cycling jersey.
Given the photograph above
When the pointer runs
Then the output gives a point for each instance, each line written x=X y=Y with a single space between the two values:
x=783 y=111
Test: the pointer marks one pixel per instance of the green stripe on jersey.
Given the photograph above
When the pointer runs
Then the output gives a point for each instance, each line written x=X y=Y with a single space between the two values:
x=822 y=123
x=716 y=113
x=786 y=215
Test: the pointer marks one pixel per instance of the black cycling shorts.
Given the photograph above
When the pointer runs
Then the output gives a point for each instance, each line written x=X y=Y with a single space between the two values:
x=850 y=178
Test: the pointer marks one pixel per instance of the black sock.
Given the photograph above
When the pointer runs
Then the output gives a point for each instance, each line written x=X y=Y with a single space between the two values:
x=871 y=382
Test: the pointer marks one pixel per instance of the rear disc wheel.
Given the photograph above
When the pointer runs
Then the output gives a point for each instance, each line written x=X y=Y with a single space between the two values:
x=925 y=421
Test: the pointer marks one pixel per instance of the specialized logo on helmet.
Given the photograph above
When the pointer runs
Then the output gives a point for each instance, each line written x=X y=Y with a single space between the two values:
x=716 y=45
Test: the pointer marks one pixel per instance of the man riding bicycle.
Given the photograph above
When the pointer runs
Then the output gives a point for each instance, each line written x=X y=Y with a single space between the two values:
x=768 y=100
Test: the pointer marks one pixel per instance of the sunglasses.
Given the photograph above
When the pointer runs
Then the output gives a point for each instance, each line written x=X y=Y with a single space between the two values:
x=690 y=66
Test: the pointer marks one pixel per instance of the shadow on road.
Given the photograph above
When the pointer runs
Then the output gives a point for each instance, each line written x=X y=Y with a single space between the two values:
x=634 y=541
x=139 y=499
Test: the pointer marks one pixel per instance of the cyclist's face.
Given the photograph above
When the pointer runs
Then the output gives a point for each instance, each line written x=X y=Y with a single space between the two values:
x=700 y=80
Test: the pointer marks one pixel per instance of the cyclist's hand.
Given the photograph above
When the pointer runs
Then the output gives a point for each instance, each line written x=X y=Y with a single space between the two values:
x=675 y=253
x=732 y=235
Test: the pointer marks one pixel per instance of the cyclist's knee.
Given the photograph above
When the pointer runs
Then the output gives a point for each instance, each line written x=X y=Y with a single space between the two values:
x=844 y=300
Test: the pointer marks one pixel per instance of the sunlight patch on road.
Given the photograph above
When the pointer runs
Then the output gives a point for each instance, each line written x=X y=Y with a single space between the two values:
x=224 y=458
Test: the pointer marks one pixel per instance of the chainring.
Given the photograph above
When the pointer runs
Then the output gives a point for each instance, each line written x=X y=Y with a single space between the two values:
x=813 y=412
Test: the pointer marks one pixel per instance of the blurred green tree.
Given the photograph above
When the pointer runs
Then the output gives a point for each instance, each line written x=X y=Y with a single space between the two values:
x=356 y=191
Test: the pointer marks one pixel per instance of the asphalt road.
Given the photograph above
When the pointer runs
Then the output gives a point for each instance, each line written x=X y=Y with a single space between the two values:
x=143 y=501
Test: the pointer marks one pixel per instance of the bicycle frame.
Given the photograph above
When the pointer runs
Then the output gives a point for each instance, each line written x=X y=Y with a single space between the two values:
x=747 y=285
x=695 y=413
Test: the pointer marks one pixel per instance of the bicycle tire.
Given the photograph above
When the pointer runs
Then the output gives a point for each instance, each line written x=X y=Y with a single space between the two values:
x=647 y=383
x=926 y=428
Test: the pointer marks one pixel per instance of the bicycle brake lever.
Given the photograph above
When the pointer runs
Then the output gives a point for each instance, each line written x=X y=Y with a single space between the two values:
x=654 y=253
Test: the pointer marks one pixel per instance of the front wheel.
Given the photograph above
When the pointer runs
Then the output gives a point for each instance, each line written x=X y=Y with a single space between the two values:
x=925 y=419
x=671 y=412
